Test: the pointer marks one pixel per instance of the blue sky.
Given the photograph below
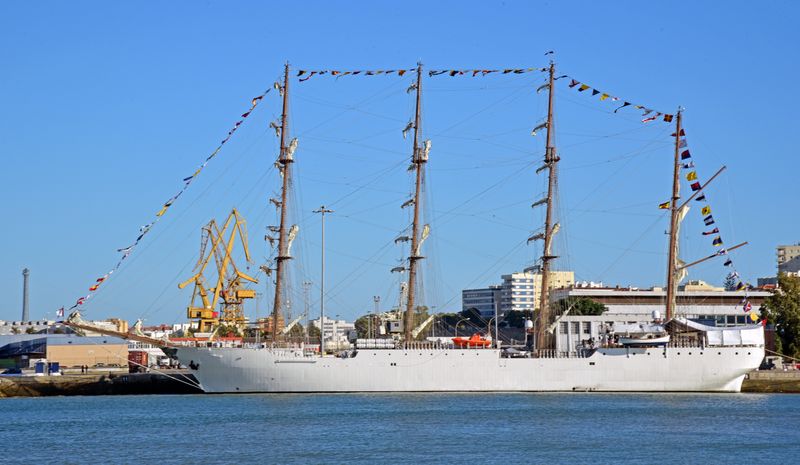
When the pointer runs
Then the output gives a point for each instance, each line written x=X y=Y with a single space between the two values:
x=107 y=106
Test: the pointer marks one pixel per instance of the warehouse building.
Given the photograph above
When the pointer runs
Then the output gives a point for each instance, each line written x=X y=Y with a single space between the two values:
x=66 y=349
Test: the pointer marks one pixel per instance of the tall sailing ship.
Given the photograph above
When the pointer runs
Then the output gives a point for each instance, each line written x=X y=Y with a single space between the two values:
x=671 y=354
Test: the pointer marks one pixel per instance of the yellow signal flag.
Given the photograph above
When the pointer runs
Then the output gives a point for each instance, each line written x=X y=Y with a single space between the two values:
x=663 y=206
x=706 y=210
x=691 y=176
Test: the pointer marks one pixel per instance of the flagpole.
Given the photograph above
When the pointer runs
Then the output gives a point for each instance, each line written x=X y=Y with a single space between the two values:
x=672 y=284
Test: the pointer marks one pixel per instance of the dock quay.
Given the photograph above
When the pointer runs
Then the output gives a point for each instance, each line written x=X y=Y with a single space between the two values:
x=93 y=384
x=772 y=381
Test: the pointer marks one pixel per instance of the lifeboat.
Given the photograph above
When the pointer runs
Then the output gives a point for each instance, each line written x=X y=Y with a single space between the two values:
x=648 y=339
x=476 y=340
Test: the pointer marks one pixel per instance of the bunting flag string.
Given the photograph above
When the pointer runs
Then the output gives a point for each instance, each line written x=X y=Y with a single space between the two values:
x=648 y=114
x=708 y=220
x=126 y=251
x=305 y=74
x=484 y=72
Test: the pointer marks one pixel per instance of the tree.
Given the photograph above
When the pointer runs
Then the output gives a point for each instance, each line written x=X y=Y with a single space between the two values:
x=515 y=318
x=30 y=330
x=363 y=325
x=730 y=283
x=475 y=317
x=782 y=309
x=313 y=333
x=14 y=330
x=228 y=331
x=297 y=331
x=580 y=306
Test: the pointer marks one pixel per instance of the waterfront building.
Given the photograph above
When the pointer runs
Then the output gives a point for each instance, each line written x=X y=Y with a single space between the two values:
x=483 y=300
x=522 y=291
x=30 y=327
x=335 y=332
x=519 y=291
x=789 y=258
x=769 y=282
x=68 y=350
x=699 y=285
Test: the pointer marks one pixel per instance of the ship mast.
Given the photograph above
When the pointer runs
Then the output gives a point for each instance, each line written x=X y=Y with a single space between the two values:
x=543 y=337
x=419 y=158
x=672 y=261
x=285 y=161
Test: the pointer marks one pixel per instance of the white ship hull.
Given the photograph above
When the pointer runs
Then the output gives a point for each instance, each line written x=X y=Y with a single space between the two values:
x=711 y=369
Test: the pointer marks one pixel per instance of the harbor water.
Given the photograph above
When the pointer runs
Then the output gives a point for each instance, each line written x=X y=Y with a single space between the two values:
x=408 y=428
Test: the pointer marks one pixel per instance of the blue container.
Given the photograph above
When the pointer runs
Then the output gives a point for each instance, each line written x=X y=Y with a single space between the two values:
x=39 y=368
x=55 y=367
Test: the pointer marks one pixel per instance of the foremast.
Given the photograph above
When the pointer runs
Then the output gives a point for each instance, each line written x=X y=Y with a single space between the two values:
x=418 y=159
x=544 y=339
x=672 y=260
x=285 y=160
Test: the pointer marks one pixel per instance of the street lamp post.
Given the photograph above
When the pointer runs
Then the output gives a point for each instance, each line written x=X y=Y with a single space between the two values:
x=377 y=300
x=459 y=322
x=322 y=211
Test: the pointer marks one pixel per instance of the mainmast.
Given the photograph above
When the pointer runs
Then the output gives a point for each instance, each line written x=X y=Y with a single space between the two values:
x=285 y=161
x=543 y=337
x=418 y=158
x=672 y=261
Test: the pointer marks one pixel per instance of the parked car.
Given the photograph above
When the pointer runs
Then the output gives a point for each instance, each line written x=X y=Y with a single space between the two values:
x=12 y=371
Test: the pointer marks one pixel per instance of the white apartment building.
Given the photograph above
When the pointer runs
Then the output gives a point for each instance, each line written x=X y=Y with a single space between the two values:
x=335 y=332
x=519 y=291
x=522 y=291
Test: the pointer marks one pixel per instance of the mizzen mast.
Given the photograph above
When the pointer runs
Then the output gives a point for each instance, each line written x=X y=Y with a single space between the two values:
x=544 y=339
x=285 y=160
x=672 y=261
x=418 y=160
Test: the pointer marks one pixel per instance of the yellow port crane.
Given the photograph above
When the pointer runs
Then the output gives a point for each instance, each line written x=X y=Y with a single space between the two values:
x=229 y=286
